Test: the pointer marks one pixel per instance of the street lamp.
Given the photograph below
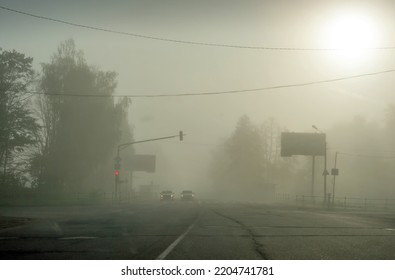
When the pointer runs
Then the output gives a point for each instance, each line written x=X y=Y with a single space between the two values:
x=316 y=128
x=325 y=173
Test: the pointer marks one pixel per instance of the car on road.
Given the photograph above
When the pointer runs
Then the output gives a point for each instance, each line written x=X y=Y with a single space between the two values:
x=167 y=196
x=187 y=195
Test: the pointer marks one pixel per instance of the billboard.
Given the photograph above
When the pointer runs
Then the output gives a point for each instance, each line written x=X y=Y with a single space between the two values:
x=144 y=163
x=308 y=144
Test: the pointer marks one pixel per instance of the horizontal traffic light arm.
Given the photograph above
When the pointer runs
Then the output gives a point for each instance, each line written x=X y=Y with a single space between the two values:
x=125 y=145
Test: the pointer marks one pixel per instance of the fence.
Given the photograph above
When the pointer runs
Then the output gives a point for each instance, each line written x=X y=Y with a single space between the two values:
x=31 y=197
x=36 y=198
x=339 y=202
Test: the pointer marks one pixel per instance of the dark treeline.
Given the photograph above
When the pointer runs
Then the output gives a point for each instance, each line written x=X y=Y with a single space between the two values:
x=58 y=144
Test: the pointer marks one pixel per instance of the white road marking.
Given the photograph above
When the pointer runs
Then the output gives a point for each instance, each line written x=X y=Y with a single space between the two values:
x=55 y=227
x=77 y=237
x=175 y=243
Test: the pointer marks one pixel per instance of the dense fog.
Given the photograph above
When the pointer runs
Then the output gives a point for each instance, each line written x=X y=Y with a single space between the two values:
x=231 y=75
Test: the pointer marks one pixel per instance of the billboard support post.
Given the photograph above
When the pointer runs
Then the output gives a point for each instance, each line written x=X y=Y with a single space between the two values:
x=308 y=144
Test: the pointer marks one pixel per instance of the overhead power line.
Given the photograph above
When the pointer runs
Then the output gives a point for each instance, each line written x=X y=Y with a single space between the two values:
x=367 y=156
x=178 y=40
x=209 y=93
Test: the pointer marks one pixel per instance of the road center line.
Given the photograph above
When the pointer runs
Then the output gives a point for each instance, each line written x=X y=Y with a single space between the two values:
x=178 y=240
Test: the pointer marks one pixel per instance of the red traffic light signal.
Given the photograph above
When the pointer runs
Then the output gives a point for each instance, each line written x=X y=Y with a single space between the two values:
x=116 y=172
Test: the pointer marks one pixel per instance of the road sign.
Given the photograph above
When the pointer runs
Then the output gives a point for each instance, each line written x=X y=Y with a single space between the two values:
x=335 y=171
x=325 y=173
x=145 y=163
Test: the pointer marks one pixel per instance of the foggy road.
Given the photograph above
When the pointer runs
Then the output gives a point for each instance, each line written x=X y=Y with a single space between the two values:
x=196 y=230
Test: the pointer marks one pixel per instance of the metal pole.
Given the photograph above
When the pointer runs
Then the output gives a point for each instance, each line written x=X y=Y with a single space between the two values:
x=334 y=181
x=131 y=181
x=117 y=176
x=125 y=145
x=5 y=163
x=325 y=173
x=312 y=177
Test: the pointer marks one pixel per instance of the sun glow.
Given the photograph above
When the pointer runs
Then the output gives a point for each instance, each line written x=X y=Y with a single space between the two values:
x=353 y=35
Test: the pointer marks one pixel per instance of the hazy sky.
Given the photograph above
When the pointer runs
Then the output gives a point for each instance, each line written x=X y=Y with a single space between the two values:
x=157 y=67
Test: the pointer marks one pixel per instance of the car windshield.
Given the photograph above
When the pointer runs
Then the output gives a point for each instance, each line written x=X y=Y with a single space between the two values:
x=198 y=130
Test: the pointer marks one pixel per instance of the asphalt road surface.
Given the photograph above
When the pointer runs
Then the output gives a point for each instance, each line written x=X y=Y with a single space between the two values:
x=194 y=230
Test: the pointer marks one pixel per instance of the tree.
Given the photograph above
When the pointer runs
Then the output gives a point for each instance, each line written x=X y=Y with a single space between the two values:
x=78 y=134
x=364 y=169
x=278 y=170
x=238 y=165
x=246 y=154
x=17 y=125
x=248 y=164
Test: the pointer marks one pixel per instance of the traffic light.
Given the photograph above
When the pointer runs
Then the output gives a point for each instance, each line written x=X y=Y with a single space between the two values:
x=181 y=135
x=116 y=173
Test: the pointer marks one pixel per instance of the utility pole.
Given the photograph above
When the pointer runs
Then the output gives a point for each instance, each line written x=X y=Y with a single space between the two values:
x=123 y=146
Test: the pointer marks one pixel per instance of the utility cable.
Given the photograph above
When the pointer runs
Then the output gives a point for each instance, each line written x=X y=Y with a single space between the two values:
x=366 y=156
x=178 y=40
x=209 y=93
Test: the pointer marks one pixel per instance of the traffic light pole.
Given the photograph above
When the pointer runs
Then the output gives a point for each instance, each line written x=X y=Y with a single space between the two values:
x=125 y=145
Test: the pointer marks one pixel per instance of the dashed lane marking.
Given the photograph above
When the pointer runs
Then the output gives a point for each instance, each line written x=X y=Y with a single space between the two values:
x=175 y=243
x=55 y=227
